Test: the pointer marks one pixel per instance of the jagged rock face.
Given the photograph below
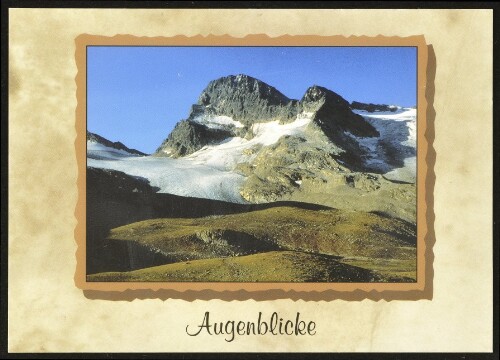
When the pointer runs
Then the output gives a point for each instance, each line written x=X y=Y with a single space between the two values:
x=242 y=98
x=316 y=94
x=245 y=99
x=248 y=101
x=334 y=117
x=115 y=145
x=333 y=114
x=372 y=107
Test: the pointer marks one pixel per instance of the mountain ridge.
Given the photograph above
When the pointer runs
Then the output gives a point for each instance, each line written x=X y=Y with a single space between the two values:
x=117 y=145
x=322 y=150
x=244 y=101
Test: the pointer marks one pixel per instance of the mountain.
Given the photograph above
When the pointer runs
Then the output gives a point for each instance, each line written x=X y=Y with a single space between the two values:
x=245 y=99
x=254 y=186
x=99 y=147
x=284 y=148
x=244 y=141
x=232 y=106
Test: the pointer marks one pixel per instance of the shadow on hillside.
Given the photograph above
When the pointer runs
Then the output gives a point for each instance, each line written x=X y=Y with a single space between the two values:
x=115 y=199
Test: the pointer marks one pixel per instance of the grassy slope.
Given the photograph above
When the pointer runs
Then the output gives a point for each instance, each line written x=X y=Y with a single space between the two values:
x=397 y=200
x=332 y=232
x=370 y=241
x=274 y=266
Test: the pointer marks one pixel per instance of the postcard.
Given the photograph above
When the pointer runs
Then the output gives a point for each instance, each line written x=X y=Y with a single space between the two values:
x=248 y=180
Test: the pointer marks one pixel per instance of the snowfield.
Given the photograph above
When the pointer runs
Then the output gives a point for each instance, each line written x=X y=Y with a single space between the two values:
x=179 y=176
x=209 y=172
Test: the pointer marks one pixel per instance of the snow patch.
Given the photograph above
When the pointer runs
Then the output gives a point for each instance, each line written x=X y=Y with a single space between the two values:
x=221 y=156
x=217 y=122
x=270 y=132
x=228 y=153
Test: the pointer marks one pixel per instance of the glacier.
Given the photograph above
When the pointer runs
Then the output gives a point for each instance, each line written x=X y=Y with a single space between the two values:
x=398 y=129
x=209 y=172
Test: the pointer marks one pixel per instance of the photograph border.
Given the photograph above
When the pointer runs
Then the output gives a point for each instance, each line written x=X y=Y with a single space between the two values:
x=421 y=289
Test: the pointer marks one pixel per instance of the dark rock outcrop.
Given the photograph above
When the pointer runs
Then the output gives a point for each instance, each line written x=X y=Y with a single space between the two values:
x=333 y=114
x=189 y=136
x=245 y=99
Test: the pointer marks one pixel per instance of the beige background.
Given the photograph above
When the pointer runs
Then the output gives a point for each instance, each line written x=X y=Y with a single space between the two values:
x=48 y=313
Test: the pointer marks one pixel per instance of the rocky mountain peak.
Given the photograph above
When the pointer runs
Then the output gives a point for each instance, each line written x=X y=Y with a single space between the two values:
x=244 y=99
x=332 y=113
x=230 y=105
x=238 y=89
x=318 y=93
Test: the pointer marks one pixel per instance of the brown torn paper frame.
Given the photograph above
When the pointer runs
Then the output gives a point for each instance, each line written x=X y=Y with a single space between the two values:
x=190 y=291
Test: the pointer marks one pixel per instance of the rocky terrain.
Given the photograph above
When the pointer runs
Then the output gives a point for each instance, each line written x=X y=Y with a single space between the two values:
x=252 y=176
x=230 y=106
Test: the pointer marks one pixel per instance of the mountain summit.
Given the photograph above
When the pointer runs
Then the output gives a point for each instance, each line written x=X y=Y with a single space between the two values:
x=233 y=106
x=245 y=99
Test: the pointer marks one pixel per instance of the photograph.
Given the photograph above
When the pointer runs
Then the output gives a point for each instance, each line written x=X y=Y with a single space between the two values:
x=251 y=164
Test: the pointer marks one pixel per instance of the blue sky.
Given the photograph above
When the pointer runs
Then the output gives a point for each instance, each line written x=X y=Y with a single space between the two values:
x=136 y=95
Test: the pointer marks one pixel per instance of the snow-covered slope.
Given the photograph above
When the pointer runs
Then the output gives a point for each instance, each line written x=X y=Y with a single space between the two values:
x=207 y=173
x=175 y=176
x=99 y=147
x=178 y=176
x=396 y=144
x=225 y=155
x=100 y=151
x=217 y=122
